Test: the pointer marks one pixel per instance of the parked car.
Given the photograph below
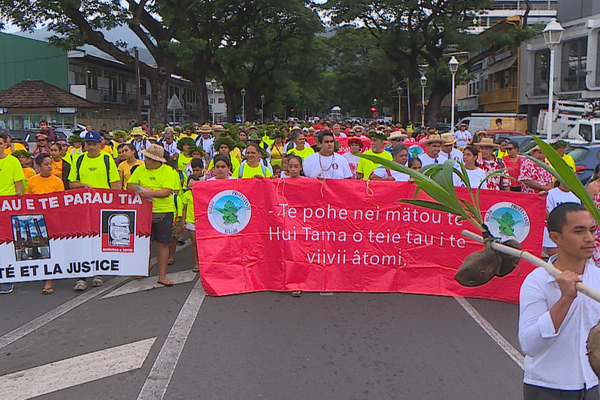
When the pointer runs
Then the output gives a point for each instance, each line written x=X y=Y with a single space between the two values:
x=586 y=158
x=28 y=135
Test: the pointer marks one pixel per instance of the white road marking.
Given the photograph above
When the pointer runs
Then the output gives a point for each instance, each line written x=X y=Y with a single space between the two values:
x=140 y=285
x=159 y=377
x=74 y=371
x=64 y=308
x=508 y=348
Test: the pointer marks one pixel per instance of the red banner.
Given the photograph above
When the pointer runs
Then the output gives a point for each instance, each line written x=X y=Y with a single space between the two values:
x=340 y=235
x=77 y=233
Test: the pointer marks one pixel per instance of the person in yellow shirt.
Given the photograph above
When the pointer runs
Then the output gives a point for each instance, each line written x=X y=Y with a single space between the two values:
x=12 y=147
x=45 y=182
x=365 y=167
x=24 y=156
x=300 y=148
x=157 y=181
x=252 y=167
x=128 y=161
x=561 y=148
x=184 y=145
x=76 y=148
x=224 y=145
x=93 y=169
x=188 y=219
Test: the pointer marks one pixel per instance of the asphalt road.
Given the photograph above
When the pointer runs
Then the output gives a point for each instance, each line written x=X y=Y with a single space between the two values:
x=174 y=343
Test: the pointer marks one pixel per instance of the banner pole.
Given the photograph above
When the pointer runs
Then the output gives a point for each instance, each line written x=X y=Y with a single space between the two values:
x=588 y=291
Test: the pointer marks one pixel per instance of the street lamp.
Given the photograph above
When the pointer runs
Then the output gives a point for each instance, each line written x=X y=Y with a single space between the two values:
x=243 y=92
x=262 y=108
x=453 y=66
x=423 y=84
x=213 y=85
x=552 y=36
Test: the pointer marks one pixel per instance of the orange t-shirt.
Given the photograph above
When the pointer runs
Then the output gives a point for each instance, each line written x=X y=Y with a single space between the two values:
x=57 y=168
x=29 y=172
x=39 y=184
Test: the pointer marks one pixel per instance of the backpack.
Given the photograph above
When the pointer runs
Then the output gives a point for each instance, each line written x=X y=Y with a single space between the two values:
x=241 y=169
x=106 y=164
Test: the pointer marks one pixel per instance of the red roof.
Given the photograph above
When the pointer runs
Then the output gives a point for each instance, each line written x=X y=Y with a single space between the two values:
x=39 y=94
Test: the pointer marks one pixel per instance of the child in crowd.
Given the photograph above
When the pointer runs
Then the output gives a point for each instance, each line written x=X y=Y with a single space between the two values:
x=284 y=167
x=24 y=158
x=188 y=219
x=129 y=160
x=415 y=164
x=222 y=168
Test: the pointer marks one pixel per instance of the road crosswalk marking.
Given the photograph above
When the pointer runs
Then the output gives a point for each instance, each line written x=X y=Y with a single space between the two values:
x=149 y=283
x=74 y=371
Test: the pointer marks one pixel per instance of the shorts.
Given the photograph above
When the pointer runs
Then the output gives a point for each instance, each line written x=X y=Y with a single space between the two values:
x=190 y=227
x=547 y=242
x=162 y=224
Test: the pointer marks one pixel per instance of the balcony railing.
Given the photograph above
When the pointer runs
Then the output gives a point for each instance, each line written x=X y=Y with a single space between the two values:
x=498 y=95
x=104 y=95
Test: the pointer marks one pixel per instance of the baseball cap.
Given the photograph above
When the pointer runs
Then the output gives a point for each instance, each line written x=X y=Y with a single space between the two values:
x=93 y=136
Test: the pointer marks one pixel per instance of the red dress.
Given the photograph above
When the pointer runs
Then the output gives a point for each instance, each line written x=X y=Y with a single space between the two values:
x=489 y=166
x=513 y=170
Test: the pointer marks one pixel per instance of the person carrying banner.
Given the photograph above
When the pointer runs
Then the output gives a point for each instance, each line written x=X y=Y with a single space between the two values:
x=60 y=167
x=326 y=164
x=45 y=182
x=554 y=321
x=188 y=219
x=155 y=180
x=11 y=184
x=400 y=154
x=252 y=167
x=97 y=170
x=366 y=167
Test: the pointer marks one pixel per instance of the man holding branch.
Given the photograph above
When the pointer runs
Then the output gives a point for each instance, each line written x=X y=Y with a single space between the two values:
x=554 y=321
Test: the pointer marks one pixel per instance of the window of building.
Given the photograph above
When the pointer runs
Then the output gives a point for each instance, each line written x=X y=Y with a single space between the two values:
x=574 y=63
x=92 y=77
x=78 y=74
x=541 y=71
x=174 y=90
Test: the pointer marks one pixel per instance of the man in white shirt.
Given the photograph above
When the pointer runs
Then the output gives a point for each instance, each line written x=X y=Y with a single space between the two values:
x=463 y=136
x=554 y=320
x=326 y=164
x=206 y=141
x=434 y=143
x=448 y=150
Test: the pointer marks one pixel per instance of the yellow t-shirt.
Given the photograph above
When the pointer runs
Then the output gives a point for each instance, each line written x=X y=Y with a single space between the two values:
x=126 y=169
x=237 y=153
x=39 y=184
x=183 y=161
x=28 y=172
x=17 y=146
x=188 y=201
x=569 y=160
x=164 y=177
x=306 y=151
x=268 y=140
x=93 y=171
x=367 y=167
x=10 y=172
x=249 y=172
x=235 y=164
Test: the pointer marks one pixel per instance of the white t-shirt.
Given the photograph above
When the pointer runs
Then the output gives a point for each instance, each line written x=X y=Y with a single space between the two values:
x=455 y=155
x=332 y=167
x=352 y=162
x=215 y=179
x=476 y=176
x=555 y=198
x=463 y=138
x=426 y=160
x=382 y=172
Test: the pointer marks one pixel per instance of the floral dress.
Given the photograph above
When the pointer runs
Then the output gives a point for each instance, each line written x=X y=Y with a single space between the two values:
x=531 y=171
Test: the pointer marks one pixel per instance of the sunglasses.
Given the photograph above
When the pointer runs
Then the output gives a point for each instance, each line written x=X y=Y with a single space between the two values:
x=510 y=148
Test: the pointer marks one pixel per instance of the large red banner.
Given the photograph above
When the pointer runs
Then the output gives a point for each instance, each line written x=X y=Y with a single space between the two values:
x=340 y=235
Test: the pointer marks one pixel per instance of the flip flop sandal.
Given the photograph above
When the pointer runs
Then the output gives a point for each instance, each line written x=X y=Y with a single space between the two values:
x=97 y=281
x=80 y=286
x=48 y=290
x=296 y=293
x=167 y=283
x=195 y=269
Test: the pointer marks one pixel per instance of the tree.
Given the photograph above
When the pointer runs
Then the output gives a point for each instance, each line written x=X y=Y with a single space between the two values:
x=81 y=22
x=415 y=35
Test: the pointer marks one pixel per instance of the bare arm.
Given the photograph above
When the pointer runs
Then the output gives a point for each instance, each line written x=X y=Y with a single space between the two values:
x=19 y=188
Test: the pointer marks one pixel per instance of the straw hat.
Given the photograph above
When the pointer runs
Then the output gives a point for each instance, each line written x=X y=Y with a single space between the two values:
x=448 y=139
x=397 y=135
x=155 y=152
x=206 y=128
x=218 y=127
x=296 y=128
x=486 y=142
x=356 y=140
x=536 y=148
x=357 y=127
x=432 y=139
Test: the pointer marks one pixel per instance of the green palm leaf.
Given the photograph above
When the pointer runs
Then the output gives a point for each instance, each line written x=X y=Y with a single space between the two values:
x=561 y=171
